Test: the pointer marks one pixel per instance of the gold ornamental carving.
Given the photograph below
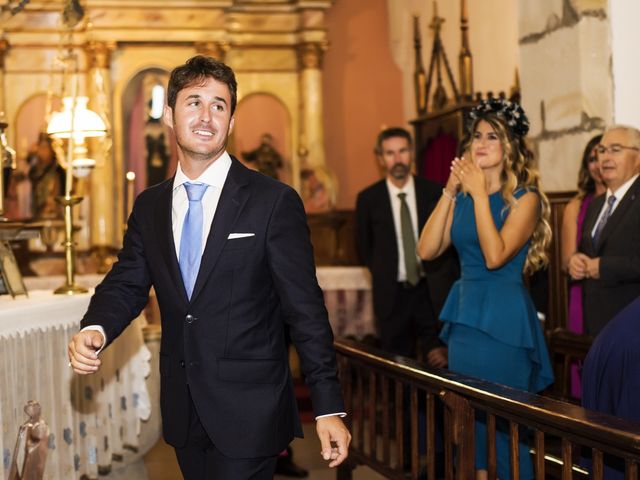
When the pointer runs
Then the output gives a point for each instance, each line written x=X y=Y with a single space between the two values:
x=217 y=50
x=311 y=54
x=99 y=53
x=4 y=48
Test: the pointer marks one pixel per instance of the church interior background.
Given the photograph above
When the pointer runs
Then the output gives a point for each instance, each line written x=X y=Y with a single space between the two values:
x=318 y=79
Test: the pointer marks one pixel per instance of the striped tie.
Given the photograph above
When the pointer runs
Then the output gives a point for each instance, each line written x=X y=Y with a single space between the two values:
x=605 y=217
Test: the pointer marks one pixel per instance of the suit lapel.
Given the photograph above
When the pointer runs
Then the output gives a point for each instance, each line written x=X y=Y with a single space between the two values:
x=593 y=211
x=165 y=237
x=387 y=209
x=618 y=214
x=421 y=204
x=232 y=200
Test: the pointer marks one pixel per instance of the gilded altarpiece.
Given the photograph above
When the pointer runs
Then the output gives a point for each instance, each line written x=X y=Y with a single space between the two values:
x=274 y=46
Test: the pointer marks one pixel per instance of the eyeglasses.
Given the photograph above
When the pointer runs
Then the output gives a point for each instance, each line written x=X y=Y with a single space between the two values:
x=614 y=149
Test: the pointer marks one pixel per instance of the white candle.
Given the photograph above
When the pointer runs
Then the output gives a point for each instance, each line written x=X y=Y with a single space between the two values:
x=131 y=177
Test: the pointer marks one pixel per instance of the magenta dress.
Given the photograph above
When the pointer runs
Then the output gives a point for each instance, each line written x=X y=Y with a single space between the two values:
x=575 y=318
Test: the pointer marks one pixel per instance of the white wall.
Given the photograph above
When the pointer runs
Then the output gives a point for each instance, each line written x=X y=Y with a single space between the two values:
x=493 y=38
x=625 y=39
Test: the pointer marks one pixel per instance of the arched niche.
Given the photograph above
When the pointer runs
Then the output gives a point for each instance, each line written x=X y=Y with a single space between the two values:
x=31 y=119
x=147 y=145
x=127 y=64
x=259 y=114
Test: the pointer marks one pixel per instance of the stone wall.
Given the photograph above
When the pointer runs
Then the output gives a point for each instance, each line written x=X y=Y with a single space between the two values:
x=566 y=80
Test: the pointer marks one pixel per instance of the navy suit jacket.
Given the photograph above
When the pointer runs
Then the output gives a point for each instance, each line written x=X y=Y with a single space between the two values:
x=225 y=348
x=619 y=250
x=611 y=374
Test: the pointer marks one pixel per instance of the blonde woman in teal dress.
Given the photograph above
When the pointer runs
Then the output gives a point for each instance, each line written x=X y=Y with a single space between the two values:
x=496 y=215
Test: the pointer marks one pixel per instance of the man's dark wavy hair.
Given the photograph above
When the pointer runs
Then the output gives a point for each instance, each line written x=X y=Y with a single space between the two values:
x=196 y=70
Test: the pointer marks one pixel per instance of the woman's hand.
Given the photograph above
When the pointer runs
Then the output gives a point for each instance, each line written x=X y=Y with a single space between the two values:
x=470 y=176
x=453 y=183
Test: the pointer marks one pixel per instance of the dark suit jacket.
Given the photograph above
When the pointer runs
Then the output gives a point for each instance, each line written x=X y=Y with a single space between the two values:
x=611 y=374
x=226 y=347
x=619 y=250
x=378 y=248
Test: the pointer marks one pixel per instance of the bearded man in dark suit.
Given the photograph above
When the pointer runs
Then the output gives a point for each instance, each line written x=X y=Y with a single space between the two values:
x=227 y=250
x=407 y=293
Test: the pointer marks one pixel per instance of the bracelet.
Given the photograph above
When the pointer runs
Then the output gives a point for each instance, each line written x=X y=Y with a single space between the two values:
x=446 y=193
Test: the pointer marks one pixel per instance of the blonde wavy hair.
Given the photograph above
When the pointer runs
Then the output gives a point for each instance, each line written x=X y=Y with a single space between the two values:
x=519 y=173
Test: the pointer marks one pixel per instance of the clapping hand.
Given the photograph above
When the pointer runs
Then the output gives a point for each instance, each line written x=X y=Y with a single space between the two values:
x=470 y=176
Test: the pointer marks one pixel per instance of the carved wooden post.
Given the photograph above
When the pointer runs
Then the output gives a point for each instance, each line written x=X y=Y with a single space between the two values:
x=460 y=431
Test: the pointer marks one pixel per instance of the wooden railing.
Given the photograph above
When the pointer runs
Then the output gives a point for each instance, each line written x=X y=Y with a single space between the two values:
x=390 y=399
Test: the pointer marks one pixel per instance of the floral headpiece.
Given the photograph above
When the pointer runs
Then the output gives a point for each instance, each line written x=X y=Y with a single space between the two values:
x=511 y=112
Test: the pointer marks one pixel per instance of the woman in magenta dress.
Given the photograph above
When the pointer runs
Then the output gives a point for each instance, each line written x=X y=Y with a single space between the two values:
x=589 y=186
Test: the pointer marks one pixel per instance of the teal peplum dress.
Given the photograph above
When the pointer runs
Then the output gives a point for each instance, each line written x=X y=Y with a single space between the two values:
x=491 y=326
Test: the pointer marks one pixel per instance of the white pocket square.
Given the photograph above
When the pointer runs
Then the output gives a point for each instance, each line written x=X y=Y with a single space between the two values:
x=239 y=235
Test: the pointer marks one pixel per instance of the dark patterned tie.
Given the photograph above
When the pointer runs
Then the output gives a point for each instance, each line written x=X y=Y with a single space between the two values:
x=191 y=239
x=605 y=217
x=408 y=242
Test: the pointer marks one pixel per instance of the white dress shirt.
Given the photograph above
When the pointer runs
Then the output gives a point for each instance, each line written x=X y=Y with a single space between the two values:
x=410 y=190
x=214 y=177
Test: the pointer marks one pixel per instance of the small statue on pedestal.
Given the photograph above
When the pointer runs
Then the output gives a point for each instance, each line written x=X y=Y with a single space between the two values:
x=30 y=452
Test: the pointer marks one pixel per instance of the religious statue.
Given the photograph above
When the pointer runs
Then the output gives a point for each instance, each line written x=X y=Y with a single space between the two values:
x=47 y=179
x=266 y=158
x=30 y=452
x=157 y=150
x=317 y=189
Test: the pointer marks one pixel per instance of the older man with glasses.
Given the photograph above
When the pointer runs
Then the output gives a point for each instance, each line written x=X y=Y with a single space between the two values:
x=608 y=260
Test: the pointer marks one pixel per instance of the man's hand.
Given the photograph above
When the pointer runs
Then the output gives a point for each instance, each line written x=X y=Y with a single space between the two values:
x=82 y=351
x=592 y=266
x=437 y=357
x=578 y=266
x=334 y=438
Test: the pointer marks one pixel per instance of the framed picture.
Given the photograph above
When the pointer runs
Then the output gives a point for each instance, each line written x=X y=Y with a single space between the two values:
x=10 y=277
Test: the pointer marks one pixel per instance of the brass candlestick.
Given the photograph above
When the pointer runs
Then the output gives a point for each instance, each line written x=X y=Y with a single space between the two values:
x=3 y=125
x=70 y=287
x=68 y=201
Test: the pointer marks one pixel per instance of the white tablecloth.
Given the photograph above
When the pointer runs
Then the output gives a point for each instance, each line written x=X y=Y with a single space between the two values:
x=347 y=295
x=91 y=419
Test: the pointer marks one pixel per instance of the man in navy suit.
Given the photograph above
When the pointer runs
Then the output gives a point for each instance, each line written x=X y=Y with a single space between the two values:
x=608 y=260
x=611 y=375
x=407 y=293
x=227 y=250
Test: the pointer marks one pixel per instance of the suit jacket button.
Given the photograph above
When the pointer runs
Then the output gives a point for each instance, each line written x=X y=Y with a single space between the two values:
x=182 y=363
x=190 y=318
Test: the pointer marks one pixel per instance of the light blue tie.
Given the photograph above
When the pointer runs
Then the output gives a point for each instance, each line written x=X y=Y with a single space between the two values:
x=191 y=239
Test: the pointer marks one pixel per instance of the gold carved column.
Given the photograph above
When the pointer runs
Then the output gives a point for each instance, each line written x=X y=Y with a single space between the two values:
x=104 y=231
x=4 y=48
x=311 y=129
